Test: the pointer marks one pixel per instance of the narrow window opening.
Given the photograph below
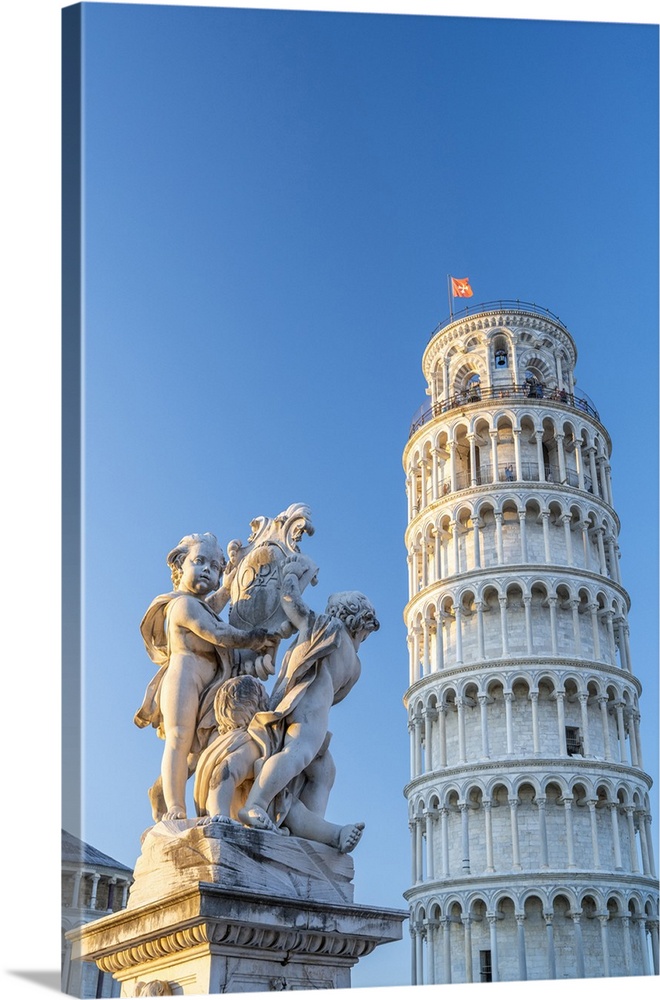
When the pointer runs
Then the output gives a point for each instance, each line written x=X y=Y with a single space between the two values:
x=573 y=741
x=485 y=967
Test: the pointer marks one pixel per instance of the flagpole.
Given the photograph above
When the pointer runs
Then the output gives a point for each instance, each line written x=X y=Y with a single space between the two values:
x=451 y=309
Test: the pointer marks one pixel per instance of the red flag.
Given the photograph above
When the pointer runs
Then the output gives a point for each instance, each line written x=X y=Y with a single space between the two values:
x=460 y=288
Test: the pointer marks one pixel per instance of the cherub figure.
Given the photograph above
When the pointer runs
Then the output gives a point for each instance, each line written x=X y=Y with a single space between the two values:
x=318 y=671
x=227 y=764
x=226 y=769
x=194 y=649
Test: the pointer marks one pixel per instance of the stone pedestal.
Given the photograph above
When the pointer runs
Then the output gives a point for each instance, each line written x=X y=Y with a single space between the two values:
x=223 y=909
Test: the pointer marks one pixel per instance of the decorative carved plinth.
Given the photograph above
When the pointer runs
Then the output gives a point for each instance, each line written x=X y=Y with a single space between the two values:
x=222 y=936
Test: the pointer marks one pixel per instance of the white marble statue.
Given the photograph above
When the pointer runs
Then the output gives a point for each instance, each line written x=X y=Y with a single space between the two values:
x=195 y=653
x=293 y=780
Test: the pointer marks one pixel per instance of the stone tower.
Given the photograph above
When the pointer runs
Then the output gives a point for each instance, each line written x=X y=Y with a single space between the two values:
x=528 y=801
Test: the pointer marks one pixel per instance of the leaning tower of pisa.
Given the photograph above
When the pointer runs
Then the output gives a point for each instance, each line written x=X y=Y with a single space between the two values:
x=528 y=800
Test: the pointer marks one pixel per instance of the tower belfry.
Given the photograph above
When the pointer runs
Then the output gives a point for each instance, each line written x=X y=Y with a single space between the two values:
x=528 y=800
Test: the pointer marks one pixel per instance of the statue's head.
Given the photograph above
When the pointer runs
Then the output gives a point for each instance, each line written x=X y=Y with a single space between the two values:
x=354 y=610
x=237 y=700
x=196 y=564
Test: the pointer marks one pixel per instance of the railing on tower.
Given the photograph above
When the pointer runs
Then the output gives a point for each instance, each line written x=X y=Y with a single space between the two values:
x=502 y=306
x=518 y=391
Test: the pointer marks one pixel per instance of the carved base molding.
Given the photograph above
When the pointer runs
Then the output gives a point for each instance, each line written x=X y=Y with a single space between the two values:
x=217 y=938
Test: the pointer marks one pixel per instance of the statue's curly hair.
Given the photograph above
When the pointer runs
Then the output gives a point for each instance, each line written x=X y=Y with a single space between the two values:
x=354 y=610
x=177 y=555
x=237 y=700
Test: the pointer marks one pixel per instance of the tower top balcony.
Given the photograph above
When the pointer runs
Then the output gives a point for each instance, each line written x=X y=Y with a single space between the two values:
x=501 y=346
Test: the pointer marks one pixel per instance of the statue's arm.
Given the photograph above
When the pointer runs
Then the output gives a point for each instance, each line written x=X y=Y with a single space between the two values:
x=219 y=600
x=294 y=607
x=197 y=618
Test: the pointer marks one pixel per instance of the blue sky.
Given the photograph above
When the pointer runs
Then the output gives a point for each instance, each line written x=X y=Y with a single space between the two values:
x=273 y=200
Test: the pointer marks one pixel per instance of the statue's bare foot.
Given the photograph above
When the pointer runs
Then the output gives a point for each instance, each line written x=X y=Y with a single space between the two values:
x=227 y=820
x=256 y=817
x=178 y=812
x=349 y=836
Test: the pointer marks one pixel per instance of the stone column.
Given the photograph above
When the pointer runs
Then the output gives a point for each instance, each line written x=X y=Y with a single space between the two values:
x=465 y=836
x=425 y=564
x=488 y=823
x=481 y=646
x=515 y=842
x=426 y=658
x=412 y=589
x=503 y=626
x=430 y=715
x=522 y=516
x=576 y=627
x=444 y=840
x=522 y=955
x=527 y=604
x=423 y=474
x=559 y=438
x=594 y=609
x=579 y=944
x=649 y=843
x=621 y=731
x=476 y=525
x=473 y=460
x=543 y=830
x=545 y=514
x=584 y=717
x=416 y=632
x=419 y=850
x=599 y=533
x=641 y=923
x=616 y=842
x=552 y=964
x=459 y=633
x=499 y=541
x=440 y=642
x=603 y=701
x=579 y=465
x=429 y=927
x=493 y=455
x=419 y=953
x=452 y=465
x=453 y=524
x=628 y=717
x=508 y=699
x=603 y=919
x=627 y=946
x=417 y=723
x=653 y=928
x=437 y=553
x=434 y=473
x=429 y=817
x=641 y=825
x=591 y=803
x=492 y=927
x=566 y=518
x=460 y=710
x=483 y=708
x=561 y=724
x=467 y=940
x=445 y=923
x=634 y=865
x=516 y=452
x=552 y=603
x=591 y=453
x=570 y=847
x=539 y=455
x=95 y=884
x=534 y=698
